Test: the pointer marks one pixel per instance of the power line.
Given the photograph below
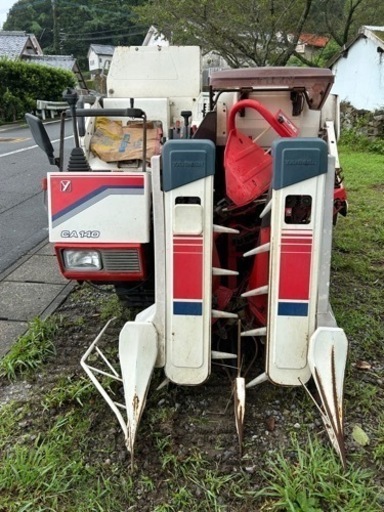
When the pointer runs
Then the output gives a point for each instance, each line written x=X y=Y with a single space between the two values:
x=96 y=32
x=96 y=38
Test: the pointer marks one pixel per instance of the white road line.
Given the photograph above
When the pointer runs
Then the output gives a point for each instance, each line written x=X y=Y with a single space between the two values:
x=31 y=147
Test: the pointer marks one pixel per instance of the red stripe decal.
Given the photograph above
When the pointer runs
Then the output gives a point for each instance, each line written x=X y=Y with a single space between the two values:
x=295 y=271
x=290 y=240
x=187 y=268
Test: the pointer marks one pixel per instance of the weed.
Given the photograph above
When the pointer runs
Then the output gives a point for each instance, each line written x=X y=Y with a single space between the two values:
x=378 y=452
x=68 y=390
x=111 y=307
x=314 y=481
x=354 y=140
x=31 y=350
x=8 y=419
x=362 y=393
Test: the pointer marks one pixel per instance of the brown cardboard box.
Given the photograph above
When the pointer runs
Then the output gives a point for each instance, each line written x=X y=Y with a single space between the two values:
x=113 y=142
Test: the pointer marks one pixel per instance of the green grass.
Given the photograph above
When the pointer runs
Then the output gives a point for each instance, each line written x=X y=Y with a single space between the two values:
x=58 y=454
x=31 y=350
x=358 y=257
x=43 y=467
x=312 y=480
x=68 y=390
x=378 y=451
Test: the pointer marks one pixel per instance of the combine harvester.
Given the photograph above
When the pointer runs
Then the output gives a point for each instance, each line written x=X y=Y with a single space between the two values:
x=213 y=211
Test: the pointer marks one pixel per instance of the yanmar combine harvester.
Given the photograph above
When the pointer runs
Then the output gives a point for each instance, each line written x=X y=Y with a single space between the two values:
x=213 y=210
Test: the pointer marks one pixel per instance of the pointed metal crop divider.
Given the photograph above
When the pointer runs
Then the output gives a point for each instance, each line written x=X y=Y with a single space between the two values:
x=137 y=353
x=327 y=356
x=239 y=393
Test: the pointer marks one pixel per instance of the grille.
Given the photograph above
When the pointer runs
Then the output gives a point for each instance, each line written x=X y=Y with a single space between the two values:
x=121 y=261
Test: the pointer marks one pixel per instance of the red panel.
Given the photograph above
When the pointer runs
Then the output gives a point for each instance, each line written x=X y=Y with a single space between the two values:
x=69 y=188
x=187 y=268
x=295 y=270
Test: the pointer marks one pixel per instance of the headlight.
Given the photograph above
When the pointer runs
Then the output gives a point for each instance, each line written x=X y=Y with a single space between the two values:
x=82 y=260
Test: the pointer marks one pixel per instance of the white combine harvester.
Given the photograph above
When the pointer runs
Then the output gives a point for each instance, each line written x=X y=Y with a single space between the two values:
x=213 y=210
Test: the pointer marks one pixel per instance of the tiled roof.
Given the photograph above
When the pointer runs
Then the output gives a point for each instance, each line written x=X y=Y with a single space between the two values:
x=102 y=49
x=14 y=44
x=57 y=61
x=314 y=40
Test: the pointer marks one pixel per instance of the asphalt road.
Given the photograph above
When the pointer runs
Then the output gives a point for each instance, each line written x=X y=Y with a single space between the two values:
x=23 y=165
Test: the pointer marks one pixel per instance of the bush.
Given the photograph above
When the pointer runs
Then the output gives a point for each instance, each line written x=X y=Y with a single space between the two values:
x=22 y=83
x=353 y=140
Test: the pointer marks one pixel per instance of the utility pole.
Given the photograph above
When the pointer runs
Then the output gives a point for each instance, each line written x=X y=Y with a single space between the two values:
x=56 y=47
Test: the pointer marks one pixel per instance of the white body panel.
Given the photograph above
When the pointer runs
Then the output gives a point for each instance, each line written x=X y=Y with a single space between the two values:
x=99 y=207
x=288 y=334
x=155 y=72
x=189 y=282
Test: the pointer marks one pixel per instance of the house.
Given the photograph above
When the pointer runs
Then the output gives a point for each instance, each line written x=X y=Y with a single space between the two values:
x=310 y=44
x=99 y=58
x=18 y=44
x=359 y=70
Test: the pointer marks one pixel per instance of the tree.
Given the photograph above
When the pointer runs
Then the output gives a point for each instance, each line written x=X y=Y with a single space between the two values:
x=67 y=27
x=341 y=19
x=32 y=17
x=255 y=32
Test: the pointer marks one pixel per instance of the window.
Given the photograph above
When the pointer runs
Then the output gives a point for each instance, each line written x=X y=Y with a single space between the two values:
x=298 y=209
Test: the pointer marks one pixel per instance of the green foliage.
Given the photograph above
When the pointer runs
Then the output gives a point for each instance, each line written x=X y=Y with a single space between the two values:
x=22 y=83
x=254 y=33
x=355 y=141
x=312 y=480
x=31 y=350
x=73 y=26
x=342 y=20
x=329 y=51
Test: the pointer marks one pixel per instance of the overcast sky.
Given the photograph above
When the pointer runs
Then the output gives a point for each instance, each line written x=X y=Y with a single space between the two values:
x=5 y=5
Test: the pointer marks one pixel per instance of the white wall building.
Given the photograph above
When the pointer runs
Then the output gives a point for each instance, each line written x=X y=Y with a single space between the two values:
x=99 y=58
x=359 y=70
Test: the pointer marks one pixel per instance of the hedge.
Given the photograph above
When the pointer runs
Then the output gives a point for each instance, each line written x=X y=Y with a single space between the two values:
x=22 y=83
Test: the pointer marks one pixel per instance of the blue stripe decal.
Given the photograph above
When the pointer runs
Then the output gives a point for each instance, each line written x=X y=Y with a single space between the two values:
x=292 y=309
x=188 y=308
x=133 y=189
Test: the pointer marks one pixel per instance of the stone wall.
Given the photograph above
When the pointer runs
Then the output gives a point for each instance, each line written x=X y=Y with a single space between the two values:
x=363 y=122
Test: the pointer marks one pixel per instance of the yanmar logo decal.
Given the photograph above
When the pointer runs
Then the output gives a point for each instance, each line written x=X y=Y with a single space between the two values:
x=65 y=186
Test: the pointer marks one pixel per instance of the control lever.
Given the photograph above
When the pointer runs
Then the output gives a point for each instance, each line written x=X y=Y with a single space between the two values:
x=186 y=114
x=71 y=97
